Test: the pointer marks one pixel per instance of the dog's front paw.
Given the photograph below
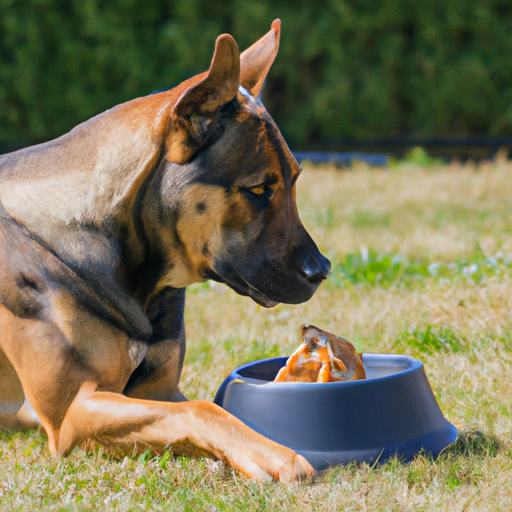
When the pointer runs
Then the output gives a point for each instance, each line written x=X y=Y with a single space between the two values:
x=279 y=463
x=299 y=470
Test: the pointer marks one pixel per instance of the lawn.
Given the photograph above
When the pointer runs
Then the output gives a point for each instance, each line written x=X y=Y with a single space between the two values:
x=422 y=266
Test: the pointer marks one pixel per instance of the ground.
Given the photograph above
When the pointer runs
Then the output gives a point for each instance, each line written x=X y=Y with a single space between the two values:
x=422 y=266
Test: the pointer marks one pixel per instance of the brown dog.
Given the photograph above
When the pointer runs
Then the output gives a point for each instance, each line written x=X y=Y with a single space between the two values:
x=103 y=228
x=322 y=357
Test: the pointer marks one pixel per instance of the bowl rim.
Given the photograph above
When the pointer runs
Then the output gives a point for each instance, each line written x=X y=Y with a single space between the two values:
x=412 y=365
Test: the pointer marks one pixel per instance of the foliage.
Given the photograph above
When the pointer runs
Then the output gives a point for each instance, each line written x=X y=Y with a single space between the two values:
x=346 y=67
x=418 y=156
x=370 y=267
x=429 y=340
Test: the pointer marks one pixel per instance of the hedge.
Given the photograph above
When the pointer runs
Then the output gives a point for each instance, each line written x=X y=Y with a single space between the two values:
x=346 y=68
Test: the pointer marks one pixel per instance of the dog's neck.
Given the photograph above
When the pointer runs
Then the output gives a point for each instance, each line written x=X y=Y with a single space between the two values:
x=89 y=181
x=91 y=174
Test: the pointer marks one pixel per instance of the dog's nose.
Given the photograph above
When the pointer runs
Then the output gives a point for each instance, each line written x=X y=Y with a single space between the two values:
x=316 y=267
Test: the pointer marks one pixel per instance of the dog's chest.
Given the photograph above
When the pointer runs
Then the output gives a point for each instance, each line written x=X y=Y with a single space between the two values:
x=136 y=352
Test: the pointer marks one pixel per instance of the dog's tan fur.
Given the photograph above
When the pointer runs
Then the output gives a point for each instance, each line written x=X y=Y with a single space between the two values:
x=101 y=230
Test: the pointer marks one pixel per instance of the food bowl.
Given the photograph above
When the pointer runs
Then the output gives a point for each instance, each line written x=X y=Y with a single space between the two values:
x=392 y=412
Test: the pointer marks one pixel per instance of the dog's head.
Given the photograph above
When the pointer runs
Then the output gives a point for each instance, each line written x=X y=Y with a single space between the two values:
x=226 y=204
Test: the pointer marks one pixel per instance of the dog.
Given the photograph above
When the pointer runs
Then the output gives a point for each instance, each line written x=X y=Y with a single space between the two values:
x=102 y=229
x=322 y=357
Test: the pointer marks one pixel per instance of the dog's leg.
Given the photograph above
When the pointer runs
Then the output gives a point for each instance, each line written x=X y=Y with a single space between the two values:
x=195 y=427
x=198 y=427
x=157 y=376
x=73 y=369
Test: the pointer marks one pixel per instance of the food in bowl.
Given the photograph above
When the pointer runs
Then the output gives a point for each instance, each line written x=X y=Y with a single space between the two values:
x=322 y=357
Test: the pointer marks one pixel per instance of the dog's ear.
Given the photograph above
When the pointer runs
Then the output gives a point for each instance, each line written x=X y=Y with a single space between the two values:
x=193 y=113
x=255 y=62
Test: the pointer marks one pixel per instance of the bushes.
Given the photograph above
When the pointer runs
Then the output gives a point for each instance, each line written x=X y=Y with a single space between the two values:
x=346 y=67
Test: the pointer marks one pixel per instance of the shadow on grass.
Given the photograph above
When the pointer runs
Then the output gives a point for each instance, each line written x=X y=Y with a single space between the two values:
x=474 y=443
x=24 y=435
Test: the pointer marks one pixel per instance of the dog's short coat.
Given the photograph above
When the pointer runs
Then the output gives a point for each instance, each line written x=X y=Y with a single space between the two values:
x=103 y=228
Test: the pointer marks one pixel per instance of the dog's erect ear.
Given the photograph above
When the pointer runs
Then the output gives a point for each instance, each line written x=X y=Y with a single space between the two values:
x=256 y=61
x=192 y=115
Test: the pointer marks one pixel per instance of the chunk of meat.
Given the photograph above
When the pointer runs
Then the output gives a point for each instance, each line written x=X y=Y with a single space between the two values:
x=322 y=357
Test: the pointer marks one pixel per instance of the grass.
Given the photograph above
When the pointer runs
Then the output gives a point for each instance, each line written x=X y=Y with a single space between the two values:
x=422 y=265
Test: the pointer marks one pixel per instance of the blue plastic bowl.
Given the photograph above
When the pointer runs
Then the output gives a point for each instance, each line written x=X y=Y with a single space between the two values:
x=392 y=412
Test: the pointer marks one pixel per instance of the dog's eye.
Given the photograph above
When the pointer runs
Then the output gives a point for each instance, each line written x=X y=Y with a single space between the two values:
x=263 y=191
x=258 y=191
x=259 y=196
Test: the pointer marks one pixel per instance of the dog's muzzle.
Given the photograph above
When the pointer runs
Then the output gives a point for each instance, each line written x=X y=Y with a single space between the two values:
x=269 y=285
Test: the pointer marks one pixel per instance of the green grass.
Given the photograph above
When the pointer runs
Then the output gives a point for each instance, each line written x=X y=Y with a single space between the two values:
x=370 y=268
x=422 y=265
